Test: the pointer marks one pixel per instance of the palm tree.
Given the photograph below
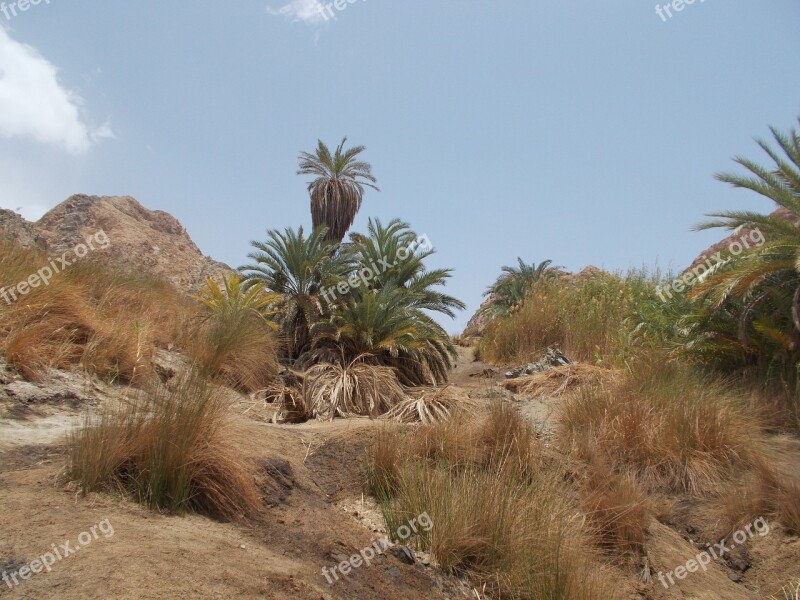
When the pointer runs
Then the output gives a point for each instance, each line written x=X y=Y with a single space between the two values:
x=510 y=289
x=388 y=317
x=399 y=255
x=299 y=269
x=235 y=298
x=338 y=188
x=773 y=265
x=386 y=325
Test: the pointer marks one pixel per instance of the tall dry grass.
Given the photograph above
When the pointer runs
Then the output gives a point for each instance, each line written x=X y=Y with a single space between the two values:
x=237 y=349
x=499 y=508
x=90 y=315
x=174 y=450
x=668 y=426
x=586 y=317
x=110 y=323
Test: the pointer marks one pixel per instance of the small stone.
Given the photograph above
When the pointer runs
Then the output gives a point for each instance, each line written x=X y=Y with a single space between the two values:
x=242 y=546
x=734 y=577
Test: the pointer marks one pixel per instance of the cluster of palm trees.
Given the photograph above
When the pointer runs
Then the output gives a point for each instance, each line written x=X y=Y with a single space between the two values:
x=388 y=320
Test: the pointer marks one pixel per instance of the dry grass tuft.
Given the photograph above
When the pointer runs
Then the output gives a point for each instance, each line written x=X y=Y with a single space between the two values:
x=558 y=380
x=617 y=510
x=353 y=389
x=670 y=428
x=431 y=406
x=171 y=451
x=238 y=350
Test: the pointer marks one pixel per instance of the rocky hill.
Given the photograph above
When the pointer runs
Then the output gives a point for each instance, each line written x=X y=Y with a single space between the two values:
x=137 y=238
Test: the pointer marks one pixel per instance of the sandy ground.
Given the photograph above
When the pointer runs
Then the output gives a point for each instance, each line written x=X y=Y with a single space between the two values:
x=317 y=519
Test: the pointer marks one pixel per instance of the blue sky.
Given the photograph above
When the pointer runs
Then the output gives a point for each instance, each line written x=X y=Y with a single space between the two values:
x=586 y=132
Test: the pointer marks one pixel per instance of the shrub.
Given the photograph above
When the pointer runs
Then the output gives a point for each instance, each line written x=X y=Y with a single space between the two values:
x=235 y=343
x=587 y=317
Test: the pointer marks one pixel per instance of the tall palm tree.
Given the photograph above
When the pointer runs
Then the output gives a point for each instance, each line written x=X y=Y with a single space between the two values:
x=298 y=268
x=338 y=188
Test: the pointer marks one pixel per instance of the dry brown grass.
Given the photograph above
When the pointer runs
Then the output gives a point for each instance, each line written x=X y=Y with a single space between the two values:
x=617 y=509
x=759 y=492
x=236 y=349
x=499 y=508
x=670 y=428
x=351 y=389
x=109 y=323
x=173 y=450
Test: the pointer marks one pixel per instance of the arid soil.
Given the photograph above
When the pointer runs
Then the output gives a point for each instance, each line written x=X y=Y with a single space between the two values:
x=315 y=516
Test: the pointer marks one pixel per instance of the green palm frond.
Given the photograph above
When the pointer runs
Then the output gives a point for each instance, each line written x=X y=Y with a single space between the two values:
x=297 y=269
x=337 y=189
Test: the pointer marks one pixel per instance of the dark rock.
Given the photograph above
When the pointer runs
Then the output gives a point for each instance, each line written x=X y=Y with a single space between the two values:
x=553 y=357
x=404 y=554
x=738 y=559
x=277 y=481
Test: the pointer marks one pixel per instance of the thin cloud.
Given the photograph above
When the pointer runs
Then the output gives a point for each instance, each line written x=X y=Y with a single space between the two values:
x=307 y=11
x=34 y=104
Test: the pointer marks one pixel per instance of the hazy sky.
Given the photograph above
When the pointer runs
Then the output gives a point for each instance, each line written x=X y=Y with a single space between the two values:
x=586 y=132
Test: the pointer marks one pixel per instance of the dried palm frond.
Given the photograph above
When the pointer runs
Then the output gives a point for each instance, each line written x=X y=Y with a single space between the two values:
x=351 y=389
x=432 y=406
x=557 y=380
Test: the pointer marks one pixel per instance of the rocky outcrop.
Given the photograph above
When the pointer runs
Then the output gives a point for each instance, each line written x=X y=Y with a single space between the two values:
x=135 y=238
x=478 y=322
x=14 y=228
x=725 y=244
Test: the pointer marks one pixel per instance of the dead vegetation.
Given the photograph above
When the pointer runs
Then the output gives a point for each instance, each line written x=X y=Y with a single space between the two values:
x=559 y=380
x=355 y=388
x=430 y=405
